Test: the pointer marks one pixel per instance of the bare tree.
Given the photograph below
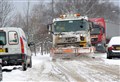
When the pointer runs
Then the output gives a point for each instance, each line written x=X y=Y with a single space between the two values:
x=42 y=13
x=5 y=12
x=91 y=8
x=17 y=21
x=37 y=18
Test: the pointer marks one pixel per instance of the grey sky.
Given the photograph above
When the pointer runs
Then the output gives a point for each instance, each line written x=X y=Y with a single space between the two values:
x=20 y=5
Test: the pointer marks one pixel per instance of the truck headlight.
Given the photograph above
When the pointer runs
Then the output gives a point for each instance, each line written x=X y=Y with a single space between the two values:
x=81 y=34
x=60 y=36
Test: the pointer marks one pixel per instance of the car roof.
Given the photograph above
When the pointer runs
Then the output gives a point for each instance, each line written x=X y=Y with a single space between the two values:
x=11 y=28
x=114 y=41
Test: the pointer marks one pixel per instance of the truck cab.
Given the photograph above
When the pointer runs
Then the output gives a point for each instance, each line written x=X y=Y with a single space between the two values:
x=98 y=34
x=71 y=35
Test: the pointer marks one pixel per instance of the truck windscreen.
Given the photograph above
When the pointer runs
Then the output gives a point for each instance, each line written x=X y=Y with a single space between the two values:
x=2 y=38
x=95 y=31
x=71 y=25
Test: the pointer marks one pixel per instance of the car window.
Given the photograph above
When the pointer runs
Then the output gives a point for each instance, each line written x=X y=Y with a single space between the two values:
x=2 y=38
x=13 y=37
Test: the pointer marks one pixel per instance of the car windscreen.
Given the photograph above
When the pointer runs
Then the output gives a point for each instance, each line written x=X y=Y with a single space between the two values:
x=2 y=38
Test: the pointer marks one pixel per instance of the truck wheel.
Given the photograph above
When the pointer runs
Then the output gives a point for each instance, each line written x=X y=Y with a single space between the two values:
x=53 y=59
x=30 y=64
x=24 y=67
x=1 y=77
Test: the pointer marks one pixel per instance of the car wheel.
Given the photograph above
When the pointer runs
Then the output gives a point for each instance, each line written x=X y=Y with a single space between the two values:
x=24 y=66
x=30 y=64
x=1 y=77
x=108 y=56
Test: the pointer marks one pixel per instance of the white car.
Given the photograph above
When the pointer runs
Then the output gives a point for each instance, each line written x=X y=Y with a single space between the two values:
x=14 y=49
x=113 y=49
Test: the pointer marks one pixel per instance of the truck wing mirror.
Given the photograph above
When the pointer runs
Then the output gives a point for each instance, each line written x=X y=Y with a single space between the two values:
x=91 y=29
x=106 y=45
x=49 y=27
x=91 y=26
x=31 y=44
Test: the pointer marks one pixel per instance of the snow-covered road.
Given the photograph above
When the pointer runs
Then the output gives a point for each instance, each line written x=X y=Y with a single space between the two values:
x=81 y=69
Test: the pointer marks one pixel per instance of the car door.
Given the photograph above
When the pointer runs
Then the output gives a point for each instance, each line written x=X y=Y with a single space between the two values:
x=13 y=42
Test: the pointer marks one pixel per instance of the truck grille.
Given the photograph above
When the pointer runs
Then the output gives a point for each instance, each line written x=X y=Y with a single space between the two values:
x=94 y=39
x=67 y=41
x=70 y=39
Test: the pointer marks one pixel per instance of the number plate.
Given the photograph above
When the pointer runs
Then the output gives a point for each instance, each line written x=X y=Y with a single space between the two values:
x=2 y=50
x=117 y=48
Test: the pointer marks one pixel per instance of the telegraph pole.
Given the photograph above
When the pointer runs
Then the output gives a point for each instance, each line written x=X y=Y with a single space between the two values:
x=1 y=13
x=52 y=9
x=28 y=4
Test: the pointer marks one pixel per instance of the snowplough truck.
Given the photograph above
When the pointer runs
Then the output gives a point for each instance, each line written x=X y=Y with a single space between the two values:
x=70 y=36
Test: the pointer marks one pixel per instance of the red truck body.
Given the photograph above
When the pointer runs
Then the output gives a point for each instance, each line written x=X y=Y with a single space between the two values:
x=98 y=34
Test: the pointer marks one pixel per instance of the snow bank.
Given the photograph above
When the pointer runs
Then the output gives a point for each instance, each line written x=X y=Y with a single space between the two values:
x=15 y=73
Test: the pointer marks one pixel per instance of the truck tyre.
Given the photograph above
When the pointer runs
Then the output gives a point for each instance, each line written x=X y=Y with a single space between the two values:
x=24 y=67
x=53 y=59
x=1 y=77
x=30 y=64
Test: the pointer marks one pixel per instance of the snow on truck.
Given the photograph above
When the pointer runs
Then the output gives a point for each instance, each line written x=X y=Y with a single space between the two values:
x=98 y=34
x=71 y=36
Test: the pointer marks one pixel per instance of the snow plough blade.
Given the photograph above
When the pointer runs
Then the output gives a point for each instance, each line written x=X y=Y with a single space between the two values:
x=70 y=52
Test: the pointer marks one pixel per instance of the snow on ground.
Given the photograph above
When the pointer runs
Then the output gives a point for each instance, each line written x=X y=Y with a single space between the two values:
x=93 y=70
x=82 y=69
x=113 y=61
x=11 y=74
x=43 y=70
x=103 y=56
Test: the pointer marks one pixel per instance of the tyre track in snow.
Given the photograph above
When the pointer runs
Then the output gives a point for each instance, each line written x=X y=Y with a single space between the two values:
x=52 y=73
x=110 y=73
x=35 y=72
x=59 y=73
x=82 y=69
x=85 y=69
x=101 y=66
x=98 y=63
x=74 y=66
x=113 y=73
x=98 y=73
x=45 y=71
x=70 y=72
